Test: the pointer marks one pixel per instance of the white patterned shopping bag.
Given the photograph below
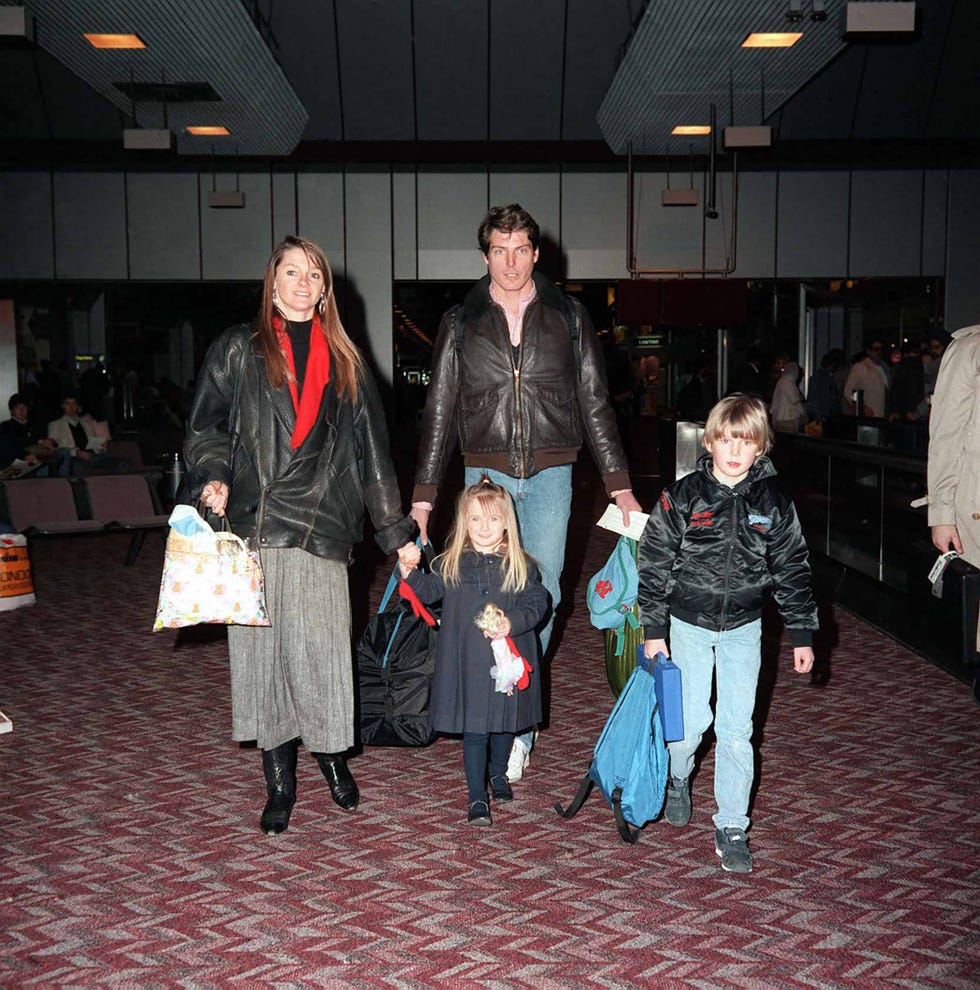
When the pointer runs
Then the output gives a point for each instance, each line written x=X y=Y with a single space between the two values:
x=210 y=577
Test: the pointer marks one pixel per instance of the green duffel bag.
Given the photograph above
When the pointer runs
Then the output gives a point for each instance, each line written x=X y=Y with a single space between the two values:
x=620 y=664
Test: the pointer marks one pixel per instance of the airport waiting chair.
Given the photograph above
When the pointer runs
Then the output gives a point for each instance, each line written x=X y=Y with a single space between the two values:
x=125 y=502
x=45 y=506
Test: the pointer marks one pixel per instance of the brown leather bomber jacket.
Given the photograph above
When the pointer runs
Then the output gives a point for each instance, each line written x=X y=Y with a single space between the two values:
x=517 y=416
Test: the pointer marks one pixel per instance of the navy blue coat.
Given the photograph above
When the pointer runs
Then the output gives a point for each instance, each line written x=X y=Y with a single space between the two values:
x=463 y=698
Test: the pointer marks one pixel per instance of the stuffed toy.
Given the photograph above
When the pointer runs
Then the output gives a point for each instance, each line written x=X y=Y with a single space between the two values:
x=510 y=669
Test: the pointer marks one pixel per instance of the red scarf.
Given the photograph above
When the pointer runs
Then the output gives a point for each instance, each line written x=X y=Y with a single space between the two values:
x=314 y=381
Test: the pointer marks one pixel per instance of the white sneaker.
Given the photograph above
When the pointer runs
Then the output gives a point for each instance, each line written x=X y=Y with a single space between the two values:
x=520 y=756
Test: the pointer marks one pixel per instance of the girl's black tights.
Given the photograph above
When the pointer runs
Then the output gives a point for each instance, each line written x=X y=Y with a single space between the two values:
x=475 y=759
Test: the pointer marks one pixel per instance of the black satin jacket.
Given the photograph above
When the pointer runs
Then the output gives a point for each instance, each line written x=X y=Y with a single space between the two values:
x=713 y=555
x=520 y=419
x=314 y=497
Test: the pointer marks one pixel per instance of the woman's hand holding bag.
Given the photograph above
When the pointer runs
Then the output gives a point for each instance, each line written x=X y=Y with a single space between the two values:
x=208 y=576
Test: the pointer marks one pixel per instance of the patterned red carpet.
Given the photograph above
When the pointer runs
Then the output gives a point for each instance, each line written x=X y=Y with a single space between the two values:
x=131 y=856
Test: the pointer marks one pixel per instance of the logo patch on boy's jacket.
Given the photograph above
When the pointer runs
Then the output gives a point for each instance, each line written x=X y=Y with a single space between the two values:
x=664 y=502
x=706 y=518
x=761 y=523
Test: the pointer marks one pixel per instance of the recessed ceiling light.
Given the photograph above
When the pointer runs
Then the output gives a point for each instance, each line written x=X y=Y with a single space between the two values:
x=773 y=39
x=209 y=130
x=691 y=129
x=114 y=40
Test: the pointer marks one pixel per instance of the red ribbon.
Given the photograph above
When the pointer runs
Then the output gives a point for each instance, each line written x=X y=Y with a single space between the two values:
x=525 y=679
x=421 y=612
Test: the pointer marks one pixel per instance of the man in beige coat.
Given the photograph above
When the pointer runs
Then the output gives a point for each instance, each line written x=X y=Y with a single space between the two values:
x=954 y=449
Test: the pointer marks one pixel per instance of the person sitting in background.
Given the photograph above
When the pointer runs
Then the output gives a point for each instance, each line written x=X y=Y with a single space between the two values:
x=85 y=439
x=868 y=376
x=23 y=441
x=788 y=410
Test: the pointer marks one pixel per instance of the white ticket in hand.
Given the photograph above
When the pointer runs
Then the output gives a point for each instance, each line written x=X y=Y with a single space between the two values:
x=940 y=565
x=612 y=519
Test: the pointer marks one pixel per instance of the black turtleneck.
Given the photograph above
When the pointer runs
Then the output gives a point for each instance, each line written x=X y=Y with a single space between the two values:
x=299 y=337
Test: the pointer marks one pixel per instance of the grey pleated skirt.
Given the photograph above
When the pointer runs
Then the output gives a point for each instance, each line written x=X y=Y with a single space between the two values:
x=295 y=677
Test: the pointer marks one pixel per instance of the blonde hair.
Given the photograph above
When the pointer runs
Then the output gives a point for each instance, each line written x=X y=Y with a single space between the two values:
x=346 y=362
x=489 y=497
x=743 y=416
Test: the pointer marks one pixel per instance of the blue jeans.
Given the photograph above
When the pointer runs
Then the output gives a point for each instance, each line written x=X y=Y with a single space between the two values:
x=544 y=504
x=734 y=656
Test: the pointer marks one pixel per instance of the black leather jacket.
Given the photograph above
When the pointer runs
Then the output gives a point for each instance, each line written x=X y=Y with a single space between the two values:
x=713 y=555
x=524 y=419
x=313 y=498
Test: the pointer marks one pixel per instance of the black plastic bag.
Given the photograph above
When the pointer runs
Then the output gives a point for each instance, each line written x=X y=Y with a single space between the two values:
x=396 y=657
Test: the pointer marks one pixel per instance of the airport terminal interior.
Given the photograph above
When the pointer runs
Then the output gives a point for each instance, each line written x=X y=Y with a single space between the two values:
x=741 y=195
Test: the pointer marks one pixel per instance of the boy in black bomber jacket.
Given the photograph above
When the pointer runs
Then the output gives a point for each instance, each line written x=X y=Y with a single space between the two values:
x=719 y=543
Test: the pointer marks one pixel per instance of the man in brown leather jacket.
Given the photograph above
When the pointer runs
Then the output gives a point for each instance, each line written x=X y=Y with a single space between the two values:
x=522 y=387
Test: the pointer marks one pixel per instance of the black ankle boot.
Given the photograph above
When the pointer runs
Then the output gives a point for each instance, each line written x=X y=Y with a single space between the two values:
x=342 y=786
x=279 y=765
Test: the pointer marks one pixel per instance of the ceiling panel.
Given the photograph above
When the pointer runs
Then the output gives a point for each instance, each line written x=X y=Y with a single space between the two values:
x=955 y=107
x=597 y=29
x=302 y=37
x=887 y=106
x=187 y=40
x=451 y=69
x=376 y=66
x=42 y=100
x=526 y=69
x=685 y=55
x=282 y=67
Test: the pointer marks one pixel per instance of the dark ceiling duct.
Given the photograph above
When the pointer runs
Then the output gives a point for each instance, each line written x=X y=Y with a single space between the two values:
x=210 y=44
x=685 y=55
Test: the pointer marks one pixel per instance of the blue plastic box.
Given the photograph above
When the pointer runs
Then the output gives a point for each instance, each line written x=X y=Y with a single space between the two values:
x=670 y=703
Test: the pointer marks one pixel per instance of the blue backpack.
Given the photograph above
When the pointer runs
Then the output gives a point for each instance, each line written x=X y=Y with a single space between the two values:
x=612 y=592
x=630 y=761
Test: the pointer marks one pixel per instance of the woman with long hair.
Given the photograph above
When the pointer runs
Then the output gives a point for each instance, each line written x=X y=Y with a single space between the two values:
x=287 y=439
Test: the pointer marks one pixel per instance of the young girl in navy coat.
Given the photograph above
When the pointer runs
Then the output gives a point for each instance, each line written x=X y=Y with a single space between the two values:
x=484 y=564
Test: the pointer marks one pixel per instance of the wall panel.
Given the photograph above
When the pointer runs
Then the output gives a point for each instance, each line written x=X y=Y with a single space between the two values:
x=812 y=229
x=283 y=205
x=367 y=310
x=403 y=225
x=450 y=209
x=163 y=226
x=26 y=237
x=963 y=259
x=90 y=225
x=935 y=194
x=321 y=214
x=236 y=243
x=886 y=223
x=666 y=236
x=594 y=224
x=755 y=245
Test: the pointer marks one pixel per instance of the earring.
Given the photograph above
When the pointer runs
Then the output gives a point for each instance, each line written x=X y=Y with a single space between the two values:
x=322 y=304
x=275 y=297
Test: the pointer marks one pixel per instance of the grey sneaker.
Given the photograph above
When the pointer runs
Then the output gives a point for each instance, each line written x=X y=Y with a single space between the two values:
x=677 y=809
x=732 y=844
